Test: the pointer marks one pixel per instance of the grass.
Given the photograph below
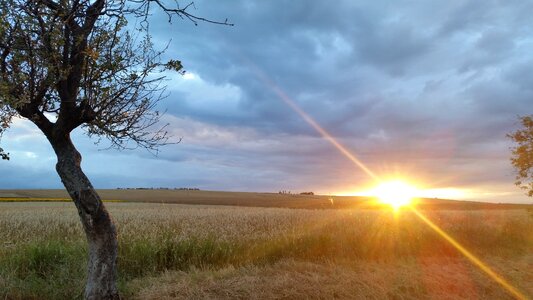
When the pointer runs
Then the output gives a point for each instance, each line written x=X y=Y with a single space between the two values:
x=443 y=278
x=173 y=251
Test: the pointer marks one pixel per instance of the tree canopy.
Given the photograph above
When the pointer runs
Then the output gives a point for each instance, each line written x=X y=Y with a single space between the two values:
x=522 y=154
x=79 y=63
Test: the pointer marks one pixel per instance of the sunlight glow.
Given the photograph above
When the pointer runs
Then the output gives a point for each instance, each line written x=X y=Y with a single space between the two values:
x=444 y=193
x=395 y=193
x=430 y=193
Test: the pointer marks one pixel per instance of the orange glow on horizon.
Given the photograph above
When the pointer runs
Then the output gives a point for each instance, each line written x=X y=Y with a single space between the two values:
x=473 y=259
x=417 y=192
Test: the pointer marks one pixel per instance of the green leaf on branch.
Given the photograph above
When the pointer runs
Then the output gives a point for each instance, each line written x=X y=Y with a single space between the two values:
x=3 y=155
x=174 y=65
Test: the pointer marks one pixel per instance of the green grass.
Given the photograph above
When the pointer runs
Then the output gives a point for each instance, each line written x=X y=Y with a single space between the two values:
x=37 y=270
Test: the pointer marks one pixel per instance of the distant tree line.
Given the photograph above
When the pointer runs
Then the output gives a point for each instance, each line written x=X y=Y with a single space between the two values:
x=160 y=188
x=284 y=192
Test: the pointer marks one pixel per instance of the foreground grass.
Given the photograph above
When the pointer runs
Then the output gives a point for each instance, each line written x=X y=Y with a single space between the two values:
x=429 y=278
x=164 y=247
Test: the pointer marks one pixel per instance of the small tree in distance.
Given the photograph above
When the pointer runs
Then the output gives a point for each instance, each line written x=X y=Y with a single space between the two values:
x=76 y=63
x=522 y=154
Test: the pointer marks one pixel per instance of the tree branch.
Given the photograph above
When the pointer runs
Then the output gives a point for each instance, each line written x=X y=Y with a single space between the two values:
x=183 y=13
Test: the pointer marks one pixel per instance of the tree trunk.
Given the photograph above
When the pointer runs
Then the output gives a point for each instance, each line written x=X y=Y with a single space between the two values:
x=99 y=228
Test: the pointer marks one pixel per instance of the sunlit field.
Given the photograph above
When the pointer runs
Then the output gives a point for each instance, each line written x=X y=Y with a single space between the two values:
x=170 y=251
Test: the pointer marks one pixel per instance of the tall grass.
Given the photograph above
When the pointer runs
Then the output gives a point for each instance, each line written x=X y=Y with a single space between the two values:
x=43 y=252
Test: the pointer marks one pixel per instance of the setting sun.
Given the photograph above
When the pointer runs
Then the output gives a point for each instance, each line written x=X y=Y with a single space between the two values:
x=394 y=193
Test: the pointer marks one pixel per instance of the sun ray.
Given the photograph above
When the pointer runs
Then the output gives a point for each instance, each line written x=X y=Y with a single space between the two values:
x=341 y=148
x=309 y=120
x=471 y=257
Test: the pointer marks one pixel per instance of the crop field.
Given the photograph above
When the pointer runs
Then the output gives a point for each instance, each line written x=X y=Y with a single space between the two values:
x=244 y=199
x=179 y=251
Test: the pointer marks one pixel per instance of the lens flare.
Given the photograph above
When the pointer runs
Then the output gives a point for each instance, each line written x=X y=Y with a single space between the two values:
x=309 y=120
x=473 y=259
x=397 y=194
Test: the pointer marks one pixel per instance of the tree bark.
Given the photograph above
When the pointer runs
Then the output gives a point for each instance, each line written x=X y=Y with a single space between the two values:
x=97 y=223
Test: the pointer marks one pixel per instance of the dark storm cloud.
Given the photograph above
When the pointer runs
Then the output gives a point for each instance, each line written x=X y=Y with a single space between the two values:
x=428 y=90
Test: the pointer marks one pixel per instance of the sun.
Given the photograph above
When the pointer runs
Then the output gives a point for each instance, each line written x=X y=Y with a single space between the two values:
x=395 y=193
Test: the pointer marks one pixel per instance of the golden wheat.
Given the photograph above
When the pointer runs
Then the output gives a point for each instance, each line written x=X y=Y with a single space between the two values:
x=238 y=252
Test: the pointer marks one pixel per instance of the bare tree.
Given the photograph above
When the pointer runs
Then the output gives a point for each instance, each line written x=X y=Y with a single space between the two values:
x=522 y=154
x=66 y=64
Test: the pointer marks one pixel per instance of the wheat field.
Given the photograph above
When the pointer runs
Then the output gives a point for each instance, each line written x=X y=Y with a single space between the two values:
x=176 y=251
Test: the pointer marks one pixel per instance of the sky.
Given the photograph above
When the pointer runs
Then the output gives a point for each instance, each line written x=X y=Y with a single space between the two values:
x=420 y=90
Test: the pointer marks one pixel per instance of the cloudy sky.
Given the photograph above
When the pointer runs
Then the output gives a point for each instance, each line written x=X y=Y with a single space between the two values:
x=423 y=90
